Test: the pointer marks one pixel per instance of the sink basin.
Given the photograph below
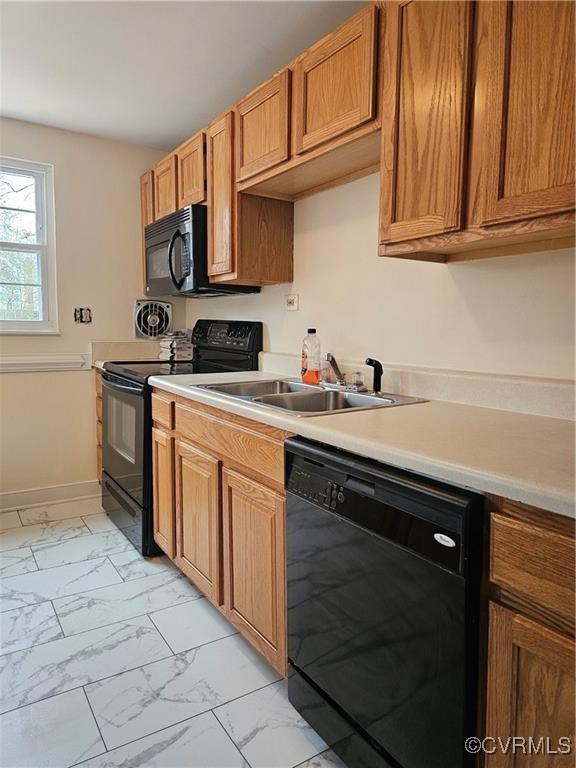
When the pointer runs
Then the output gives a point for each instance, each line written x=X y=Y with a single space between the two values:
x=248 y=390
x=330 y=401
x=305 y=399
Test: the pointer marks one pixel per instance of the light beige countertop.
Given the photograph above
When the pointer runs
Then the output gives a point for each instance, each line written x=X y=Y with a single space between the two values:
x=521 y=457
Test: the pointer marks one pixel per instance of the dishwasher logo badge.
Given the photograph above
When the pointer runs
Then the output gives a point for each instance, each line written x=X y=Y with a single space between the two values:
x=446 y=541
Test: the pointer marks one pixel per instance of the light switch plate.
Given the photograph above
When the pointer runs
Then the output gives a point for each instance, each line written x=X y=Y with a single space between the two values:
x=291 y=302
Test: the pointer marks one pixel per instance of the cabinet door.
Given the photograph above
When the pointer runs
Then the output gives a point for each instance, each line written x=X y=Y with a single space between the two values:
x=147 y=198
x=198 y=518
x=255 y=564
x=220 y=196
x=530 y=688
x=163 y=490
x=165 y=186
x=191 y=171
x=524 y=109
x=262 y=127
x=334 y=82
x=424 y=117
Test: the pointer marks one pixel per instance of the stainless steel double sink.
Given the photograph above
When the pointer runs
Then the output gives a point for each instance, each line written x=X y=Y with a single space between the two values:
x=306 y=399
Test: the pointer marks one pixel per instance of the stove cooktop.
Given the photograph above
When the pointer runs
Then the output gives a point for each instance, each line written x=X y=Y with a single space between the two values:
x=141 y=370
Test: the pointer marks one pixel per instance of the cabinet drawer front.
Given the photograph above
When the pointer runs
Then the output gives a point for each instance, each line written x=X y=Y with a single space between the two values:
x=191 y=171
x=165 y=192
x=255 y=452
x=262 y=127
x=534 y=562
x=163 y=411
x=334 y=83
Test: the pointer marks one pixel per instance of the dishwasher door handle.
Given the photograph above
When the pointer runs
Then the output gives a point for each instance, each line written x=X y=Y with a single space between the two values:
x=360 y=486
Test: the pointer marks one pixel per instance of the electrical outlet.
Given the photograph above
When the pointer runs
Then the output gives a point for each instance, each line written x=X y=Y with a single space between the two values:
x=82 y=315
x=291 y=302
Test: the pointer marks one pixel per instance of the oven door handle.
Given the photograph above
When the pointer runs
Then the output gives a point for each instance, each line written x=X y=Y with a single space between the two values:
x=132 y=390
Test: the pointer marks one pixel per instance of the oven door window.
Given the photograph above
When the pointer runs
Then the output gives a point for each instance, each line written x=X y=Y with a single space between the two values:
x=123 y=451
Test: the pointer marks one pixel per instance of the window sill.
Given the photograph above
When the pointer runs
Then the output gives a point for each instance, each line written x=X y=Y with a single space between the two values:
x=29 y=332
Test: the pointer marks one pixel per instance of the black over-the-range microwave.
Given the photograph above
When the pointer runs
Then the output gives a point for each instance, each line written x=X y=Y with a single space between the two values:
x=176 y=257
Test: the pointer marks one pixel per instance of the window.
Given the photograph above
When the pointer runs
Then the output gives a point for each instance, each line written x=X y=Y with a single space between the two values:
x=27 y=257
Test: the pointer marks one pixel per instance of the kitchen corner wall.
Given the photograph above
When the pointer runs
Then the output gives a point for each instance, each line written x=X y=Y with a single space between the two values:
x=510 y=315
x=47 y=420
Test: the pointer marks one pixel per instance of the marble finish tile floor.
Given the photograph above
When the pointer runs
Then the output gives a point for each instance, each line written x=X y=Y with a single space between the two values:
x=111 y=660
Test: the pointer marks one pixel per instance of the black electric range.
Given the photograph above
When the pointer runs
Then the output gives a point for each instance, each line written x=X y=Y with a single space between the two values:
x=219 y=346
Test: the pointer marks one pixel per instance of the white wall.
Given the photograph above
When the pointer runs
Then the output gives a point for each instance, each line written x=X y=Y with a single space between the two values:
x=509 y=315
x=47 y=433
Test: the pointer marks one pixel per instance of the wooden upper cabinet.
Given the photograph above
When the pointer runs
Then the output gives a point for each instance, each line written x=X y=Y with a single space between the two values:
x=424 y=117
x=262 y=127
x=524 y=109
x=334 y=83
x=165 y=188
x=255 y=564
x=163 y=490
x=221 y=195
x=147 y=198
x=530 y=688
x=191 y=171
x=198 y=544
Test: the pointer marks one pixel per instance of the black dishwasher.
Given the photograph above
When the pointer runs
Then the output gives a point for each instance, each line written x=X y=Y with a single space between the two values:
x=384 y=609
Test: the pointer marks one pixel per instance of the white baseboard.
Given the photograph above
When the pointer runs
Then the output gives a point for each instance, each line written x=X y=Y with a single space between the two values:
x=34 y=497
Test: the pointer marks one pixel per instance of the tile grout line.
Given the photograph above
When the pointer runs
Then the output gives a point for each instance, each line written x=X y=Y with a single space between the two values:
x=123 y=580
x=162 y=636
x=221 y=724
x=95 y=722
x=59 y=624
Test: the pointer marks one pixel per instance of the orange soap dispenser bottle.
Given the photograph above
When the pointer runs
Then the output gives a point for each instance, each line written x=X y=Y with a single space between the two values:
x=311 y=358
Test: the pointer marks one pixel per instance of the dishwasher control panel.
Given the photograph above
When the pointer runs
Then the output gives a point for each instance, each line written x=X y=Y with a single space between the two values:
x=314 y=488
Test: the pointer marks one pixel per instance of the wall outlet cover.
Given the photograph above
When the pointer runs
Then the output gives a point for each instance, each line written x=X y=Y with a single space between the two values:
x=291 y=301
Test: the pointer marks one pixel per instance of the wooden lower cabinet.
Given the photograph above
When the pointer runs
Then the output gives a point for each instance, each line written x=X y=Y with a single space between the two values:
x=219 y=514
x=254 y=563
x=163 y=490
x=530 y=689
x=531 y=649
x=198 y=521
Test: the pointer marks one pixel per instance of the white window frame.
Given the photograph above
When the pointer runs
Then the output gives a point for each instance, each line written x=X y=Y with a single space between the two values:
x=43 y=174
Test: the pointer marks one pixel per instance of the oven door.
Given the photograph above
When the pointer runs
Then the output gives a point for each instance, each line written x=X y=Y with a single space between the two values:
x=123 y=421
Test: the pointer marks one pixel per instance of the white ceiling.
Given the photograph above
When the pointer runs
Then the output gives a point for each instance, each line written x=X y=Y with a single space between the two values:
x=151 y=73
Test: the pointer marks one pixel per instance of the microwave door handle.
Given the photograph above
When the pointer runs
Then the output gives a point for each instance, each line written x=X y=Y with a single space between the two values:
x=177 y=283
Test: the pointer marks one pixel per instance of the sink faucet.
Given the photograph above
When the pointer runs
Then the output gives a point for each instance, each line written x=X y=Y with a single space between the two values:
x=340 y=378
x=378 y=370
